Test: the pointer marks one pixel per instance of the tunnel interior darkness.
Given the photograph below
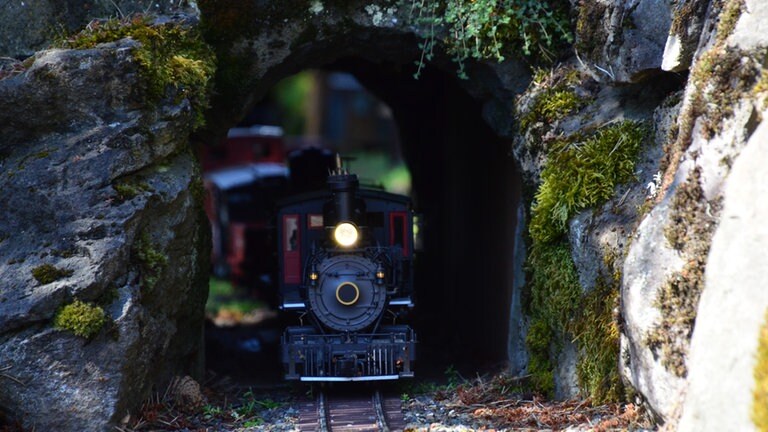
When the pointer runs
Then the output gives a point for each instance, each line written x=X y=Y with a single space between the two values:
x=466 y=186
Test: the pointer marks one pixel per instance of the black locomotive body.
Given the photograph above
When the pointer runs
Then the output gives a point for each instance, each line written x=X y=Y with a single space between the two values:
x=346 y=266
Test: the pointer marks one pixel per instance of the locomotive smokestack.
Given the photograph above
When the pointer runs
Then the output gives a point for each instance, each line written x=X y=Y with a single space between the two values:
x=343 y=186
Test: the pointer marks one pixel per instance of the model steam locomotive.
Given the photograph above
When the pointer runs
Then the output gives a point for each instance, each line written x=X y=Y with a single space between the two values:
x=346 y=267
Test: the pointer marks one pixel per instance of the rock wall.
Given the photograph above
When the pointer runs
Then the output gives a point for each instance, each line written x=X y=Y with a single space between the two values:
x=101 y=206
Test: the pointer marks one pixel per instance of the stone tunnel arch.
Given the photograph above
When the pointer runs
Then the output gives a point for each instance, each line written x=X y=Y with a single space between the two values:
x=454 y=135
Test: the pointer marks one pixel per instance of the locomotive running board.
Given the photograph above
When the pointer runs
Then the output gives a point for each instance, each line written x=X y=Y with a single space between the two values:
x=344 y=379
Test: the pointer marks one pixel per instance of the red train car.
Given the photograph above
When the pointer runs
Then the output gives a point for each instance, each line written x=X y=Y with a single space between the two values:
x=243 y=176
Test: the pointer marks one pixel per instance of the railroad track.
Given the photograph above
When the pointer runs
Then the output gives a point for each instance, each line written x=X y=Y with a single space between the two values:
x=337 y=412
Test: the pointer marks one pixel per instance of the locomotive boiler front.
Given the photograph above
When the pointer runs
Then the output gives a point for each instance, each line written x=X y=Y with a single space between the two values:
x=347 y=291
x=347 y=296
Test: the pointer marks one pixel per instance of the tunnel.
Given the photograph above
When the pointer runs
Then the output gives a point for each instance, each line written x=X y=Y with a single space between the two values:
x=465 y=184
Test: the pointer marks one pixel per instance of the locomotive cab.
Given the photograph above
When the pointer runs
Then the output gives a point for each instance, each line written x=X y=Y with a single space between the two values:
x=346 y=262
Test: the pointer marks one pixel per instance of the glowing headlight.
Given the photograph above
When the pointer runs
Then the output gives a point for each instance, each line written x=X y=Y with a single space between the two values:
x=345 y=234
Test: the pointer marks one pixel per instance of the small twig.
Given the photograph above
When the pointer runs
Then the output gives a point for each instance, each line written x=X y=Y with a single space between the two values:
x=122 y=15
x=10 y=377
x=14 y=379
x=621 y=201
x=610 y=73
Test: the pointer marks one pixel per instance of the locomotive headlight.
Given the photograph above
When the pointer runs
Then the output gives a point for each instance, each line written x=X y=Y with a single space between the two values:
x=345 y=234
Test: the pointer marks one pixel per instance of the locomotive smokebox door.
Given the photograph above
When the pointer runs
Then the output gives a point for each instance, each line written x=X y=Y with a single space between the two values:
x=347 y=298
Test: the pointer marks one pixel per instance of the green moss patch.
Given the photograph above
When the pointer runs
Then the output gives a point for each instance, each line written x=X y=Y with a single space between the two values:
x=582 y=173
x=553 y=104
x=596 y=331
x=129 y=190
x=150 y=259
x=554 y=296
x=82 y=319
x=760 y=392
x=48 y=273
x=559 y=309
x=170 y=55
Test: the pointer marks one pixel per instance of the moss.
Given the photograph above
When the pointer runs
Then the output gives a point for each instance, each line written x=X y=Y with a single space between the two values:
x=689 y=218
x=65 y=253
x=761 y=87
x=580 y=172
x=596 y=331
x=540 y=368
x=590 y=38
x=723 y=76
x=578 y=175
x=554 y=293
x=151 y=261
x=685 y=14
x=760 y=392
x=692 y=224
x=720 y=79
x=130 y=190
x=559 y=310
x=48 y=273
x=553 y=104
x=41 y=154
x=728 y=18
x=170 y=55
x=82 y=319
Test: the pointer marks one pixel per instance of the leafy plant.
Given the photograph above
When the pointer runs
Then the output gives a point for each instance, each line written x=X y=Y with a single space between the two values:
x=212 y=411
x=487 y=29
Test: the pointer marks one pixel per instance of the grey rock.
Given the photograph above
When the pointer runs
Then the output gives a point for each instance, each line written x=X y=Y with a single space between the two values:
x=648 y=264
x=627 y=36
x=733 y=306
x=566 y=383
x=752 y=27
x=684 y=35
x=71 y=127
x=517 y=331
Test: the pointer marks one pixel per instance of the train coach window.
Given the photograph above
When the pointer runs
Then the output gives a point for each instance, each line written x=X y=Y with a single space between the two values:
x=291 y=249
